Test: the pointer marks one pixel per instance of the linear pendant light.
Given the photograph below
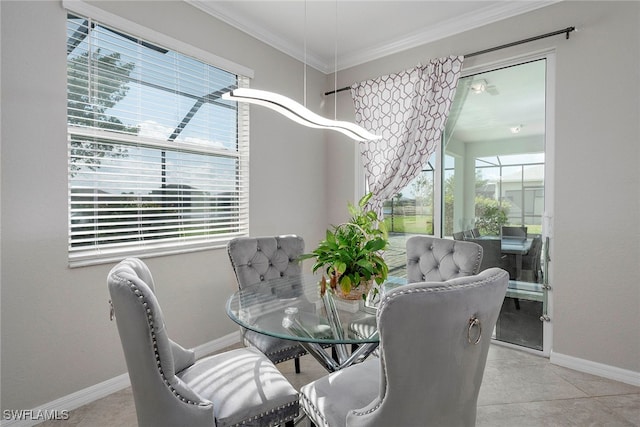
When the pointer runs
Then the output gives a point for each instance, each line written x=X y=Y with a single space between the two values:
x=297 y=112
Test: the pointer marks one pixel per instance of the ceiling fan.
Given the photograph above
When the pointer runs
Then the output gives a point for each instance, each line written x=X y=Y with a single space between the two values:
x=480 y=86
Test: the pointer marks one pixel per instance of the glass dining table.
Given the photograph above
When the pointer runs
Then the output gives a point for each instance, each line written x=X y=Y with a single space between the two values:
x=292 y=308
x=513 y=246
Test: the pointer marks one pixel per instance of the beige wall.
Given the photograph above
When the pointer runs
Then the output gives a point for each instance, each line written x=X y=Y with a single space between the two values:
x=596 y=245
x=56 y=335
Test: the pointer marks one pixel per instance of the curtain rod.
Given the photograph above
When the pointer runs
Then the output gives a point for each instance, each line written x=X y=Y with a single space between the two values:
x=565 y=31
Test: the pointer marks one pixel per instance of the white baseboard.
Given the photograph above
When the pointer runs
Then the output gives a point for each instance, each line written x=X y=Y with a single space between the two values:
x=69 y=402
x=606 y=371
x=103 y=389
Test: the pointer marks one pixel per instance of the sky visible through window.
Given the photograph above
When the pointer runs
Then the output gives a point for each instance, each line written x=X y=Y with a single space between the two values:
x=162 y=91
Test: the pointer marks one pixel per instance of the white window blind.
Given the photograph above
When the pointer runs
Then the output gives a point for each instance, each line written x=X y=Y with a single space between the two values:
x=158 y=161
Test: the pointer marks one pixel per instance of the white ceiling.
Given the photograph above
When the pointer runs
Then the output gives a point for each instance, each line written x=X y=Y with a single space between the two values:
x=370 y=29
x=514 y=97
x=365 y=30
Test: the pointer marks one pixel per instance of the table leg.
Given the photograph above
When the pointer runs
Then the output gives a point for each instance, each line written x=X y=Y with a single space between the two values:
x=320 y=355
x=362 y=352
x=332 y=365
x=336 y=326
x=342 y=356
x=518 y=266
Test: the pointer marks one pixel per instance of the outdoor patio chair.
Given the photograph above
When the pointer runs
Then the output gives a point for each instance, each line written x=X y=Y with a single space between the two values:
x=532 y=261
x=514 y=232
x=492 y=255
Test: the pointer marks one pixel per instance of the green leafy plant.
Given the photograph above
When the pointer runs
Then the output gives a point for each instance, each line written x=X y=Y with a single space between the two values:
x=351 y=253
x=491 y=215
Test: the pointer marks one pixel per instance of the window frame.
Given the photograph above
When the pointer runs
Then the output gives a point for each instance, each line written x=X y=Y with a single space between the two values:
x=94 y=254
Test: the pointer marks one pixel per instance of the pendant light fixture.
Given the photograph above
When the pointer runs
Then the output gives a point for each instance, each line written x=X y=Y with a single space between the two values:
x=297 y=112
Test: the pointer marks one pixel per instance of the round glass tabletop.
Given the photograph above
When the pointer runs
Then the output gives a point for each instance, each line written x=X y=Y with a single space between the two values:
x=292 y=308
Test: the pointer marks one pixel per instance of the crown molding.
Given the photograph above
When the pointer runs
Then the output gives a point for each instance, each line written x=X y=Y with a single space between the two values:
x=460 y=24
x=223 y=13
x=445 y=29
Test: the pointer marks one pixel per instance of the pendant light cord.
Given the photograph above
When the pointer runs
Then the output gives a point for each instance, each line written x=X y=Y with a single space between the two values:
x=335 y=61
x=297 y=112
x=304 y=95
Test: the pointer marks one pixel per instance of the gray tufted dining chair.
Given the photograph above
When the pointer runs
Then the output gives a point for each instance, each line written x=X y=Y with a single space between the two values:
x=256 y=259
x=173 y=389
x=431 y=259
x=436 y=260
x=434 y=339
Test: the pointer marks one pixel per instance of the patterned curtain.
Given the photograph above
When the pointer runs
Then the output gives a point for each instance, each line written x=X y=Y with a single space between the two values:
x=409 y=109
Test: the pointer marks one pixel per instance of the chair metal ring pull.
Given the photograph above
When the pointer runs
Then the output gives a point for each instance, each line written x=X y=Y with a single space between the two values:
x=474 y=321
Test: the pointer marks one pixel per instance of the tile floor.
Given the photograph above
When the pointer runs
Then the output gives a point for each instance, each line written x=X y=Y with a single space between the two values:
x=519 y=389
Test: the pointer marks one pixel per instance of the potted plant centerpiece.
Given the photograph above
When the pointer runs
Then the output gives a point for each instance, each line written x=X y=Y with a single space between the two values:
x=351 y=253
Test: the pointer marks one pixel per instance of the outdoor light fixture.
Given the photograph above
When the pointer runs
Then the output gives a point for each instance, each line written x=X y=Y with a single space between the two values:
x=298 y=113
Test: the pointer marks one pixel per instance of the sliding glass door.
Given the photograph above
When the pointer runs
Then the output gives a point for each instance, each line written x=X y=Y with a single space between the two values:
x=494 y=186
x=488 y=184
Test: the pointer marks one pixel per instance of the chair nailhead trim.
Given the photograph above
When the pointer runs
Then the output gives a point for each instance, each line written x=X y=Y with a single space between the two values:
x=154 y=341
x=175 y=392
x=272 y=411
x=396 y=294
x=315 y=410
x=273 y=356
